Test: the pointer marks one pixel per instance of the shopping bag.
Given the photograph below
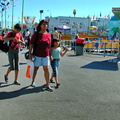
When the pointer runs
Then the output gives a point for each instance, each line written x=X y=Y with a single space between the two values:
x=30 y=69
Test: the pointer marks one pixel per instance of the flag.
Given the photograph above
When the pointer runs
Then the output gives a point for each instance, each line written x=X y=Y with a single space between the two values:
x=105 y=16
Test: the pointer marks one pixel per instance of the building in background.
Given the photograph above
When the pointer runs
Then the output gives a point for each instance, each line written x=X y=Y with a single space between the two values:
x=101 y=26
x=77 y=24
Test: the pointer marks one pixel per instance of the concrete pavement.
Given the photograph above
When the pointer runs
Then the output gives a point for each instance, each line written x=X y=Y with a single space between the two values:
x=89 y=90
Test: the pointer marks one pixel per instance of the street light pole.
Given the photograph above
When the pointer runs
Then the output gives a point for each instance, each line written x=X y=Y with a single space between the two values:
x=41 y=11
x=13 y=15
x=50 y=13
x=2 y=19
x=5 y=17
x=22 y=13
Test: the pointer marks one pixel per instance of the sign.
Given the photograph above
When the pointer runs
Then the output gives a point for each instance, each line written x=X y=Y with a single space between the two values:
x=116 y=12
x=65 y=21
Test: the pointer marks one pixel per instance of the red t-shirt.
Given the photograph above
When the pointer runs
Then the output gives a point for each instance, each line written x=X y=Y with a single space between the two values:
x=41 y=44
x=13 y=44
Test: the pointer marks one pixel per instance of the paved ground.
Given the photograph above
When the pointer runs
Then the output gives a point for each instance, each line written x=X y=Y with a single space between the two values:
x=90 y=90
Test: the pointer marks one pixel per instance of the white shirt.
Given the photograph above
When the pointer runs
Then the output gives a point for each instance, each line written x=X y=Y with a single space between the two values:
x=27 y=33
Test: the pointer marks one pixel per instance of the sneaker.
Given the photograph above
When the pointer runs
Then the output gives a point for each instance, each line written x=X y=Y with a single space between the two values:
x=49 y=89
x=17 y=83
x=6 y=79
x=58 y=84
x=51 y=81
x=33 y=84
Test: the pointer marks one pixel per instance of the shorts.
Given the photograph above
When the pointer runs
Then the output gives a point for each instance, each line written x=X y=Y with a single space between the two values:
x=41 y=61
x=13 y=57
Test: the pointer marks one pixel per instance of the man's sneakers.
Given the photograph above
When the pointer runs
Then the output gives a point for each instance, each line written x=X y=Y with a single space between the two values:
x=6 y=78
x=15 y=82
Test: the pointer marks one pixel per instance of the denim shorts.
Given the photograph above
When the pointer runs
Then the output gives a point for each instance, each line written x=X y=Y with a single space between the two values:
x=41 y=61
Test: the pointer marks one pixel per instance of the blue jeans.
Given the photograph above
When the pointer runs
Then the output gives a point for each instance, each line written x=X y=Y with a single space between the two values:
x=55 y=64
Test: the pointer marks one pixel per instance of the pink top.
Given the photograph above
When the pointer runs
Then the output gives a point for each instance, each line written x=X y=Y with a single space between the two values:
x=13 y=44
x=41 y=44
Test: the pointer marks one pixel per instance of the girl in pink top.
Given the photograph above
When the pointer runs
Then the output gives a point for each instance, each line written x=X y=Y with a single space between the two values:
x=40 y=48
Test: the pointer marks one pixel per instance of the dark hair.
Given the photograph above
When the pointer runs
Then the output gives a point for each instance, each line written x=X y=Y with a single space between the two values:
x=40 y=23
x=17 y=26
x=53 y=41
x=55 y=28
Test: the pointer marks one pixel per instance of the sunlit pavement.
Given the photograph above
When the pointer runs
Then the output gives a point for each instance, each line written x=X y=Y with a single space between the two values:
x=89 y=90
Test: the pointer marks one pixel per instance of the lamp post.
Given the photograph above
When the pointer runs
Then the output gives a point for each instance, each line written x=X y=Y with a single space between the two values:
x=2 y=19
x=50 y=13
x=4 y=9
x=5 y=17
x=22 y=13
x=41 y=11
x=49 y=17
x=13 y=15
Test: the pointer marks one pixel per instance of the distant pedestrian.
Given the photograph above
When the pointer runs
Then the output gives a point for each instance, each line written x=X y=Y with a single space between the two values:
x=55 y=33
x=40 y=45
x=27 y=38
x=56 y=52
x=3 y=33
x=60 y=35
x=15 y=39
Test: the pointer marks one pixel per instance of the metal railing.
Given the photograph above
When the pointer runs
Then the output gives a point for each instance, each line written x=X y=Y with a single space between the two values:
x=94 y=47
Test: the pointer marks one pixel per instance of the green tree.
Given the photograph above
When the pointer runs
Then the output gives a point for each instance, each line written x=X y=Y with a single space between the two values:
x=115 y=31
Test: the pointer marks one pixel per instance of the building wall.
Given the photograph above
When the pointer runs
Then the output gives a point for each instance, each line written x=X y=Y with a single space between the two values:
x=77 y=24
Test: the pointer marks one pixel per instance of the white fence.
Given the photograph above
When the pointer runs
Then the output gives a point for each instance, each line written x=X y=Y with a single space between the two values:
x=94 y=47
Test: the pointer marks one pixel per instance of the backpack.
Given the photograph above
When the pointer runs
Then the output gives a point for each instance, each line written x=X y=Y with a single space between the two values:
x=4 y=46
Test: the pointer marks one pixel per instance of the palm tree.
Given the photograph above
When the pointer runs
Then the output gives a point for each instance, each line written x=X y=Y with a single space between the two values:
x=115 y=30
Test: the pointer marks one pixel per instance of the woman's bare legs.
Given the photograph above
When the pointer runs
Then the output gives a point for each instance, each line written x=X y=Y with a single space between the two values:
x=46 y=75
x=34 y=74
x=8 y=71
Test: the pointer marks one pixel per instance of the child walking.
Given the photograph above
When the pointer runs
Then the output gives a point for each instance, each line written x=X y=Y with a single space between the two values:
x=56 y=53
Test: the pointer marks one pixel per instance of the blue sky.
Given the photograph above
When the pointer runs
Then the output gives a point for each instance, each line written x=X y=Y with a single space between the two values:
x=62 y=8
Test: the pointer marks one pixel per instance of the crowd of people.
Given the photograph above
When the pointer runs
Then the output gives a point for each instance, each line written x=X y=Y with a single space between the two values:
x=43 y=47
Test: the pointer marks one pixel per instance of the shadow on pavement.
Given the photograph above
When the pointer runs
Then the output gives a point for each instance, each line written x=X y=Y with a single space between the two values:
x=22 y=91
x=22 y=63
x=6 y=65
x=6 y=85
x=72 y=55
x=9 y=64
x=102 y=65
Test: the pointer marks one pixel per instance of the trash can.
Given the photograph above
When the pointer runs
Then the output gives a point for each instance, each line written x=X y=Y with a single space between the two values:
x=80 y=46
